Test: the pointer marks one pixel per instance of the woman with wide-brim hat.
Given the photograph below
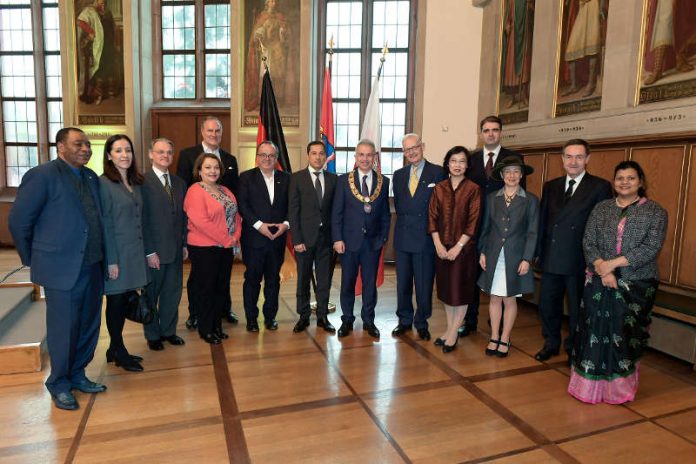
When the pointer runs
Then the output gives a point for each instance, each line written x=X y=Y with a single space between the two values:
x=506 y=246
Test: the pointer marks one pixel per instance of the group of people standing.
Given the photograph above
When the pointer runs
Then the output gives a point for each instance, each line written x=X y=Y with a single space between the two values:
x=469 y=226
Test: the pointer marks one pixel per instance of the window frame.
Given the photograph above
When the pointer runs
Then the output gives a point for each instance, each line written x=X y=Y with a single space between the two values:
x=39 y=54
x=199 y=52
x=366 y=55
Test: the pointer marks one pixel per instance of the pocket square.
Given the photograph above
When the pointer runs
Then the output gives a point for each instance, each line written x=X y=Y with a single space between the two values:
x=431 y=185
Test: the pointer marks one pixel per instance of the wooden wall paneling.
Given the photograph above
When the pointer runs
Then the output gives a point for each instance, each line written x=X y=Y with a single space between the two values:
x=535 y=181
x=603 y=162
x=664 y=173
x=554 y=166
x=686 y=272
x=177 y=127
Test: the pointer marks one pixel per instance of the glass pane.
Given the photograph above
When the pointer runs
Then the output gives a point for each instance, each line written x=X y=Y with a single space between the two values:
x=179 y=76
x=345 y=78
x=178 y=27
x=394 y=74
x=343 y=23
x=53 y=78
x=217 y=26
x=217 y=76
x=19 y=159
x=15 y=30
x=51 y=29
x=390 y=22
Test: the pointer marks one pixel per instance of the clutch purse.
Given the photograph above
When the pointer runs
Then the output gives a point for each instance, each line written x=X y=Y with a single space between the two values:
x=138 y=308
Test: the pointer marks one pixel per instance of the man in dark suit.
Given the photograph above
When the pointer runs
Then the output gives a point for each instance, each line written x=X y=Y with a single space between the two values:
x=211 y=132
x=481 y=165
x=566 y=204
x=360 y=228
x=56 y=226
x=309 y=214
x=263 y=203
x=164 y=224
x=413 y=185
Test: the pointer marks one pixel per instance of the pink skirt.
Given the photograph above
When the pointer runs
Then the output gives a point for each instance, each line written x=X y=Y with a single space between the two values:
x=617 y=391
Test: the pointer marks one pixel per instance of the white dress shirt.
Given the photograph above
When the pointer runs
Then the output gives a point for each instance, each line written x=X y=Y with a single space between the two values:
x=577 y=180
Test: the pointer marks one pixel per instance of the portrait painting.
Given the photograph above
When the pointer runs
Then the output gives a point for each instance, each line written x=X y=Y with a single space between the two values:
x=668 y=68
x=99 y=62
x=272 y=37
x=515 y=60
x=581 y=57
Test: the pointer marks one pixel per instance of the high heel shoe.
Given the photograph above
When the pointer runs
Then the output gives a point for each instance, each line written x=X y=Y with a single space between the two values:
x=110 y=356
x=439 y=341
x=503 y=354
x=449 y=348
x=127 y=363
x=490 y=352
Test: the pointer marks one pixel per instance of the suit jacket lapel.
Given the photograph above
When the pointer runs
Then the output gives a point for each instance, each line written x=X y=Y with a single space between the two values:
x=68 y=185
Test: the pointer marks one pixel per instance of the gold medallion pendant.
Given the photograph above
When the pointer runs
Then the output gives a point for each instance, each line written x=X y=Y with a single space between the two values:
x=366 y=201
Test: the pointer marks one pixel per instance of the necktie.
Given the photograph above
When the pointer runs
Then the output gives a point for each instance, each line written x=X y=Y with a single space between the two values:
x=569 y=191
x=168 y=186
x=365 y=190
x=489 y=165
x=413 y=182
x=317 y=186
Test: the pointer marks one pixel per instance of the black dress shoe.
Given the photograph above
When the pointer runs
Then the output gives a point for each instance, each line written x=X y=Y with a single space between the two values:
x=439 y=341
x=401 y=330
x=192 y=323
x=221 y=335
x=325 y=324
x=371 y=330
x=232 y=317
x=111 y=355
x=272 y=325
x=503 y=354
x=155 y=345
x=65 y=400
x=173 y=340
x=345 y=329
x=545 y=354
x=302 y=324
x=449 y=348
x=424 y=334
x=465 y=330
x=211 y=338
x=492 y=352
x=87 y=386
x=252 y=327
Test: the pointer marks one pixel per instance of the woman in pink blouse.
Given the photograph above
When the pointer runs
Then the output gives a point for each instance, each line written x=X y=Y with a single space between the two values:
x=214 y=228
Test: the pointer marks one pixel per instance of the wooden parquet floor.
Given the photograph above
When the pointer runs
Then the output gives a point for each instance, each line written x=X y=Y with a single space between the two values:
x=279 y=397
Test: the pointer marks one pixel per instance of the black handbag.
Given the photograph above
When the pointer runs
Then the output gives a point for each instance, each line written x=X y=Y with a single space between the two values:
x=138 y=308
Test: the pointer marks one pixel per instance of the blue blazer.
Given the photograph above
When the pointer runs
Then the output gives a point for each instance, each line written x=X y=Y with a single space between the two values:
x=351 y=224
x=48 y=224
x=411 y=231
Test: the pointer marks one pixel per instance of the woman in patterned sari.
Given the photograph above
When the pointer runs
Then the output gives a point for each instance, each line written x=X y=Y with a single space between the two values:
x=622 y=239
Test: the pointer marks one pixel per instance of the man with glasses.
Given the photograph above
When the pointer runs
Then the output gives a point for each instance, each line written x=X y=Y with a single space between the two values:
x=263 y=204
x=415 y=252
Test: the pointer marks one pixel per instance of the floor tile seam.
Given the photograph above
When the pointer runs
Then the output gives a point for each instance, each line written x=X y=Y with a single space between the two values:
x=150 y=430
x=122 y=373
x=258 y=357
x=296 y=407
x=408 y=389
x=560 y=454
x=673 y=413
x=381 y=427
x=507 y=373
x=491 y=403
x=501 y=455
x=235 y=441
x=79 y=433
x=675 y=433
x=593 y=433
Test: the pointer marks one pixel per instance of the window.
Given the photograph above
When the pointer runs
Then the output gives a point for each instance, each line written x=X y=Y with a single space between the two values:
x=30 y=84
x=195 y=49
x=360 y=29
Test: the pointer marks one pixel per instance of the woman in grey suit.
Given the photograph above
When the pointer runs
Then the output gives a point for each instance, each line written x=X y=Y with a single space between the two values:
x=122 y=207
x=507 y=244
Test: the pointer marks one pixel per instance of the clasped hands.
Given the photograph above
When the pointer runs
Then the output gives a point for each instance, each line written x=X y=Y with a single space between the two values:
x=265 y=230
x=447 y=255
x=605 y=269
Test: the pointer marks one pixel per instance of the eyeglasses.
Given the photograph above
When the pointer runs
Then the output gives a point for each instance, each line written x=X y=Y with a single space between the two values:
x=266 y=155
x=413 y=148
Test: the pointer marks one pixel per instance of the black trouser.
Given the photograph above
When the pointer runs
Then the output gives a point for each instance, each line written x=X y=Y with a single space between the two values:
x=211 y=268
x=553 y=289
x=318 y=255
x=262 y=264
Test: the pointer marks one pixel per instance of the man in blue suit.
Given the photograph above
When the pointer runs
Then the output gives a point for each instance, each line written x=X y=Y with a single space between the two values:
x=359 y=228
x=55 y=223
x=415 y=252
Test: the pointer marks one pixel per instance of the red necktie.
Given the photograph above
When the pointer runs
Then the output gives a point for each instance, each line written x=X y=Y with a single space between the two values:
x=489 y=165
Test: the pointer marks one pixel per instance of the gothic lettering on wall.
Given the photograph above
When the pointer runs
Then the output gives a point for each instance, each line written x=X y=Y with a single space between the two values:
x=581 y=59
x=99 y=62
x=272 y=31
x=669 y=51
x=516 y=60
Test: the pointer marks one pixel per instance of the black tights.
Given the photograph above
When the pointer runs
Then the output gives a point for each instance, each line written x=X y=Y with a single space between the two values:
x=115 y=320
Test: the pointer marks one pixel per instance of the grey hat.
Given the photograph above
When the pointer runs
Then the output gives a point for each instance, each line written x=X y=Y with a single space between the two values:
x=507 y=162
